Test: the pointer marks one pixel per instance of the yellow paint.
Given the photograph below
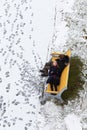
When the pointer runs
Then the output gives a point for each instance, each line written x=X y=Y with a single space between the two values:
x=64 y=76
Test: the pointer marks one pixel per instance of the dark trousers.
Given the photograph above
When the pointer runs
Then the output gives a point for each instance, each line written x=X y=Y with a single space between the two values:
x=53 y=81
x=53 y=87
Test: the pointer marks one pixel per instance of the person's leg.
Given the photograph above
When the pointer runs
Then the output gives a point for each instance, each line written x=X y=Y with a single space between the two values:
x=55 y=87
x=56 y=83
x=49 y=81
x=51 y=85
x=46 y=67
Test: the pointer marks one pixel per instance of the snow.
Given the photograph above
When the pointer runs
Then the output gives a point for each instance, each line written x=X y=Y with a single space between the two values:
x=29 y=31
x=26 y=29
x=72 y=122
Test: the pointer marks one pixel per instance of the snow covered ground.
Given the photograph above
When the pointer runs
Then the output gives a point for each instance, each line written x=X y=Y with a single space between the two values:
x=73 y=122
x=29 y=31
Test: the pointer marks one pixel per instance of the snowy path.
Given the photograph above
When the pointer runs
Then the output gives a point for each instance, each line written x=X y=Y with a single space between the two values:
x=24 y=38
x=29 y=31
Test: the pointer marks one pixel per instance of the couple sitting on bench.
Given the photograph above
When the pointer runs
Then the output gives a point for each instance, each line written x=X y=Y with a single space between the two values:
x=55 y=69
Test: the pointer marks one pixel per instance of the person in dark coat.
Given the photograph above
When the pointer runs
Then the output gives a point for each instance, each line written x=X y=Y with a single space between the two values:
x=44 y=71
x=62 y=62
x=54 y=74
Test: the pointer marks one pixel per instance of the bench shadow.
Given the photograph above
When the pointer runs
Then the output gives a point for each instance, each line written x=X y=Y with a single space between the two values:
x=75 y=81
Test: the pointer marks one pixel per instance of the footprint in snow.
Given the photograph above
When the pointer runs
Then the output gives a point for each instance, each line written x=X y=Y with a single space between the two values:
x=7 y=74
x=0 y=80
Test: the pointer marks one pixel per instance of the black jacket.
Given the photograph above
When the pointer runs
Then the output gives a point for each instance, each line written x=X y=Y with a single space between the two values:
x=62 y=63
x=54 y=71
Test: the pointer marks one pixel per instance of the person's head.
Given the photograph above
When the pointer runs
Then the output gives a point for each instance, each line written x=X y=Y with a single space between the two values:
x=55 y=63
x=61 y=56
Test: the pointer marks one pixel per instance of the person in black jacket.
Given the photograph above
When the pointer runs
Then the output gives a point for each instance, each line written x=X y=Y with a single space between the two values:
x=54 y=76
x=44 y=71
x=62 y=62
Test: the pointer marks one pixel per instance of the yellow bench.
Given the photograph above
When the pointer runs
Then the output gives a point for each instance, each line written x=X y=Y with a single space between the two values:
x=64 y=76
